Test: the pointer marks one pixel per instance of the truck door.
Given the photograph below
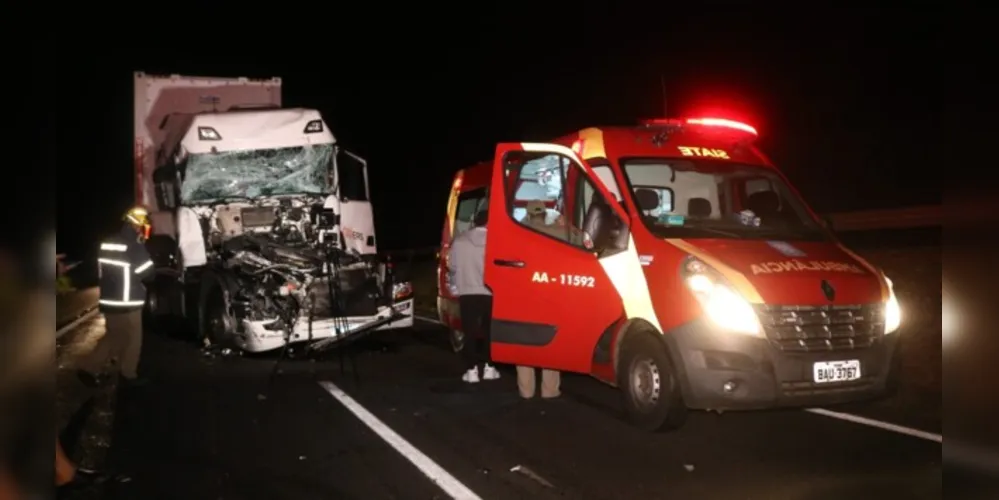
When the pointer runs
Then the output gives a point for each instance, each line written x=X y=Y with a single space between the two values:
x=552 y=297
x=357 y=220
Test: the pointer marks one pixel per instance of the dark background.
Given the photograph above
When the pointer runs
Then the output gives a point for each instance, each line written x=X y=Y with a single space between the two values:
x=844 y=100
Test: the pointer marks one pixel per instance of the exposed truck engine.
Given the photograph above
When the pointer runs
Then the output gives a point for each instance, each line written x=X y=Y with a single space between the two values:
x=263 y=231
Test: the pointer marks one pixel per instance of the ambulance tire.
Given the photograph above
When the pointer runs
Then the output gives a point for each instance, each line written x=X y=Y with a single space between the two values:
x=658 y=405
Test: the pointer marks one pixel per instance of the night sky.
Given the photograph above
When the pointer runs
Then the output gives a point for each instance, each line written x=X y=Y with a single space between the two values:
x=843 y=101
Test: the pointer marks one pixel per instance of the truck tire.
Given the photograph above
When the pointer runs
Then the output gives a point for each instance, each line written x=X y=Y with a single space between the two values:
x=154 y=319
x=216 y=326
x=649 y=385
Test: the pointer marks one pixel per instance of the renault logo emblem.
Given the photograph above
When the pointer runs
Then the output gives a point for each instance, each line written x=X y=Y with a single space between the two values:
x=828 y=290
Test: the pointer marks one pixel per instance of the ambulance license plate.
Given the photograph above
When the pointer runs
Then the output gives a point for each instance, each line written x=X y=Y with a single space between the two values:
x=836 y=371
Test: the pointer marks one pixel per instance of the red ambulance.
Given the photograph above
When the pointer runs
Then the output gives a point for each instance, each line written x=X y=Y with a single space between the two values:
x=702 y=280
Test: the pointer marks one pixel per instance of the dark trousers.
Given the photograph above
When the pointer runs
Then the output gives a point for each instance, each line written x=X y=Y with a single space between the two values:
x=476 y=314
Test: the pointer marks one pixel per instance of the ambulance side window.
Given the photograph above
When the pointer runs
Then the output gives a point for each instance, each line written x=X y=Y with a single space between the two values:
x=540 y=193
x=469 y=204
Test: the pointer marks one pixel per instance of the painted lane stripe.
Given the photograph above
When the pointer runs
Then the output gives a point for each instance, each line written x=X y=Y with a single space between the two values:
x=849 y=417
x=428 y=320
x=888 y=426
x=428 y=467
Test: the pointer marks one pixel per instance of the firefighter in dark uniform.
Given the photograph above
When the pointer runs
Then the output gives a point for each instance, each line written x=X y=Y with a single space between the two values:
x=123 y=265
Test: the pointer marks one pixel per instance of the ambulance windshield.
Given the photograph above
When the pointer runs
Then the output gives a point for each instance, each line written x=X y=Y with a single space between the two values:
x=685 y=199
x=256 y=173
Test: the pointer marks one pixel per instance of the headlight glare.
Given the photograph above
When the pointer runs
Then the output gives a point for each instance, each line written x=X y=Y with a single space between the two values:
x=721 y=304
x=893 y=311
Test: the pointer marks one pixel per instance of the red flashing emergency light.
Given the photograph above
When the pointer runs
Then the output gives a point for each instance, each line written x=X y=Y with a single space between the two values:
x=705 y=122
x=722 y=122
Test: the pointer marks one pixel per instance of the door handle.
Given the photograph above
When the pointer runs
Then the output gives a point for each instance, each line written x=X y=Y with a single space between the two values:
x=509 y=263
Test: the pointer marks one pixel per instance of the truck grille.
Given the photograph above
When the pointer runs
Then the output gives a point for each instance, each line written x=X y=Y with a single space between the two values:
x=822 y=328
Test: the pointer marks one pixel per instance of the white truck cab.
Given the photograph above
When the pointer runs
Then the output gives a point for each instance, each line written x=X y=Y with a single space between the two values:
x=262 y=223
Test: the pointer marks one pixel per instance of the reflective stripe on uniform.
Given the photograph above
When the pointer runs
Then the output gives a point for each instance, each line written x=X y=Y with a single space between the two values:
x=143 y=267
x=114 y=247
x=126 y=272
x=122 y=302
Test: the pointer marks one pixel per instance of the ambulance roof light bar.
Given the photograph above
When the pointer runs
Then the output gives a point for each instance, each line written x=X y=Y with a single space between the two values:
x=705 y=122
x=722 y=122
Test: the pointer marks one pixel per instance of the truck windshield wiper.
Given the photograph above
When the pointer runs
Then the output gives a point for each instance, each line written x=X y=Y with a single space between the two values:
x=226 y=199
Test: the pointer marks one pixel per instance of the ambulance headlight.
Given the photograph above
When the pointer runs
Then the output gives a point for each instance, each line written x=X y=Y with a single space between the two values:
x=724 y=306
x=893 y=312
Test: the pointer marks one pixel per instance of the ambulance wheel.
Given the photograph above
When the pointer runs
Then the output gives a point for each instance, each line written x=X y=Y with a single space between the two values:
x=648 y=382
x=216 y=324
x=457 y=340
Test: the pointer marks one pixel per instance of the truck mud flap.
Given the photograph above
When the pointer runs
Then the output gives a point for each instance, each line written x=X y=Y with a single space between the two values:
x=326 y=344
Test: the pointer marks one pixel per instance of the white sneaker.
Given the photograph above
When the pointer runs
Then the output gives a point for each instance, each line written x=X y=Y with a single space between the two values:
x=489 y=372
x=471 y=376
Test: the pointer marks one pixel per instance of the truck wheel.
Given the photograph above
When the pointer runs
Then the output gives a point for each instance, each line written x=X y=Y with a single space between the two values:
x=154 y=319
x=216 y=325
x=457 y=339
x=648 y=382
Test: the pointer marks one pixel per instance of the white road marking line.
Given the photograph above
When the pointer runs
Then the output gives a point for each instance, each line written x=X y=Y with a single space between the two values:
x=428 y=320
x=62 y=331
x=901 y=429
x=428 y=467
x=849 y=417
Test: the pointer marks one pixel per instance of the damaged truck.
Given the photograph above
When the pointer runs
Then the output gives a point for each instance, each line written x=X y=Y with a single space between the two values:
x=262 y=225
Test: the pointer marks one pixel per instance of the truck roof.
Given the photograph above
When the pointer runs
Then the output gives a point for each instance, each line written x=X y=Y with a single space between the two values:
x=247 y=129
x=157 y=98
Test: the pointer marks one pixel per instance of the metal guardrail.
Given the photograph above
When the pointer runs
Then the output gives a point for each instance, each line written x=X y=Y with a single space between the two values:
x=80 y=306
x=896 y=218
x=865 y=220
x=900 y=218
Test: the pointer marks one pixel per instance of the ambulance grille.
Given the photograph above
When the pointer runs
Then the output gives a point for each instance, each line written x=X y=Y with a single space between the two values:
x=822 y=328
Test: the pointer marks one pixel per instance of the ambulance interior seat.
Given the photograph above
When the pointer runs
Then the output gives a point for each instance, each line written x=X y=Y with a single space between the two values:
x=647 y=199
x=766 y=206
x=699 y=207
x=603 y=226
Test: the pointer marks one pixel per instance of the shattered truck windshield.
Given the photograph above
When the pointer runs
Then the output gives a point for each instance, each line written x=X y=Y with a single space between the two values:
x=258 y=172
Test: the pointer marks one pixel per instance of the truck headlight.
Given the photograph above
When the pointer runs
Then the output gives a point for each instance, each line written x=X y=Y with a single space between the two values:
x=720 y=302
x=893 y=312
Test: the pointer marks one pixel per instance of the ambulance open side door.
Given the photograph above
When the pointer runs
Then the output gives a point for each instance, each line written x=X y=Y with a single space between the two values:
x=553 y=295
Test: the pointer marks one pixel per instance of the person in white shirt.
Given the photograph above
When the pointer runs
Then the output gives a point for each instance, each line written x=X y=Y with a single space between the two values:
x=466 y=263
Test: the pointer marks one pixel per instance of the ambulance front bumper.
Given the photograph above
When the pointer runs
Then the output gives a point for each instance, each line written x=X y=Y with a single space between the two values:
x=729 y=371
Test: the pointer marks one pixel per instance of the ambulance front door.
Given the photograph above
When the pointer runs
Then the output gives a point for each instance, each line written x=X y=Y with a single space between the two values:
x=552 y=296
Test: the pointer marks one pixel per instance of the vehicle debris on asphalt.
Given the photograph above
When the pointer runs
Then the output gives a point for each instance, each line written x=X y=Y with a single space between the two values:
x=532 y=475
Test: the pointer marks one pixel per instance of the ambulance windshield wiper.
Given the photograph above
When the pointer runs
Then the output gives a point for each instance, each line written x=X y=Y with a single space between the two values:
x=712 y=230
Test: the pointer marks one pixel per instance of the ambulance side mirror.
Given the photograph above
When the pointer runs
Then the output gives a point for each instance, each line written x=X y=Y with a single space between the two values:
x=612 y=234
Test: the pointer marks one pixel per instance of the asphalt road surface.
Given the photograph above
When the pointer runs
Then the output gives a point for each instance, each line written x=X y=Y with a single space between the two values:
x=404 y=426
